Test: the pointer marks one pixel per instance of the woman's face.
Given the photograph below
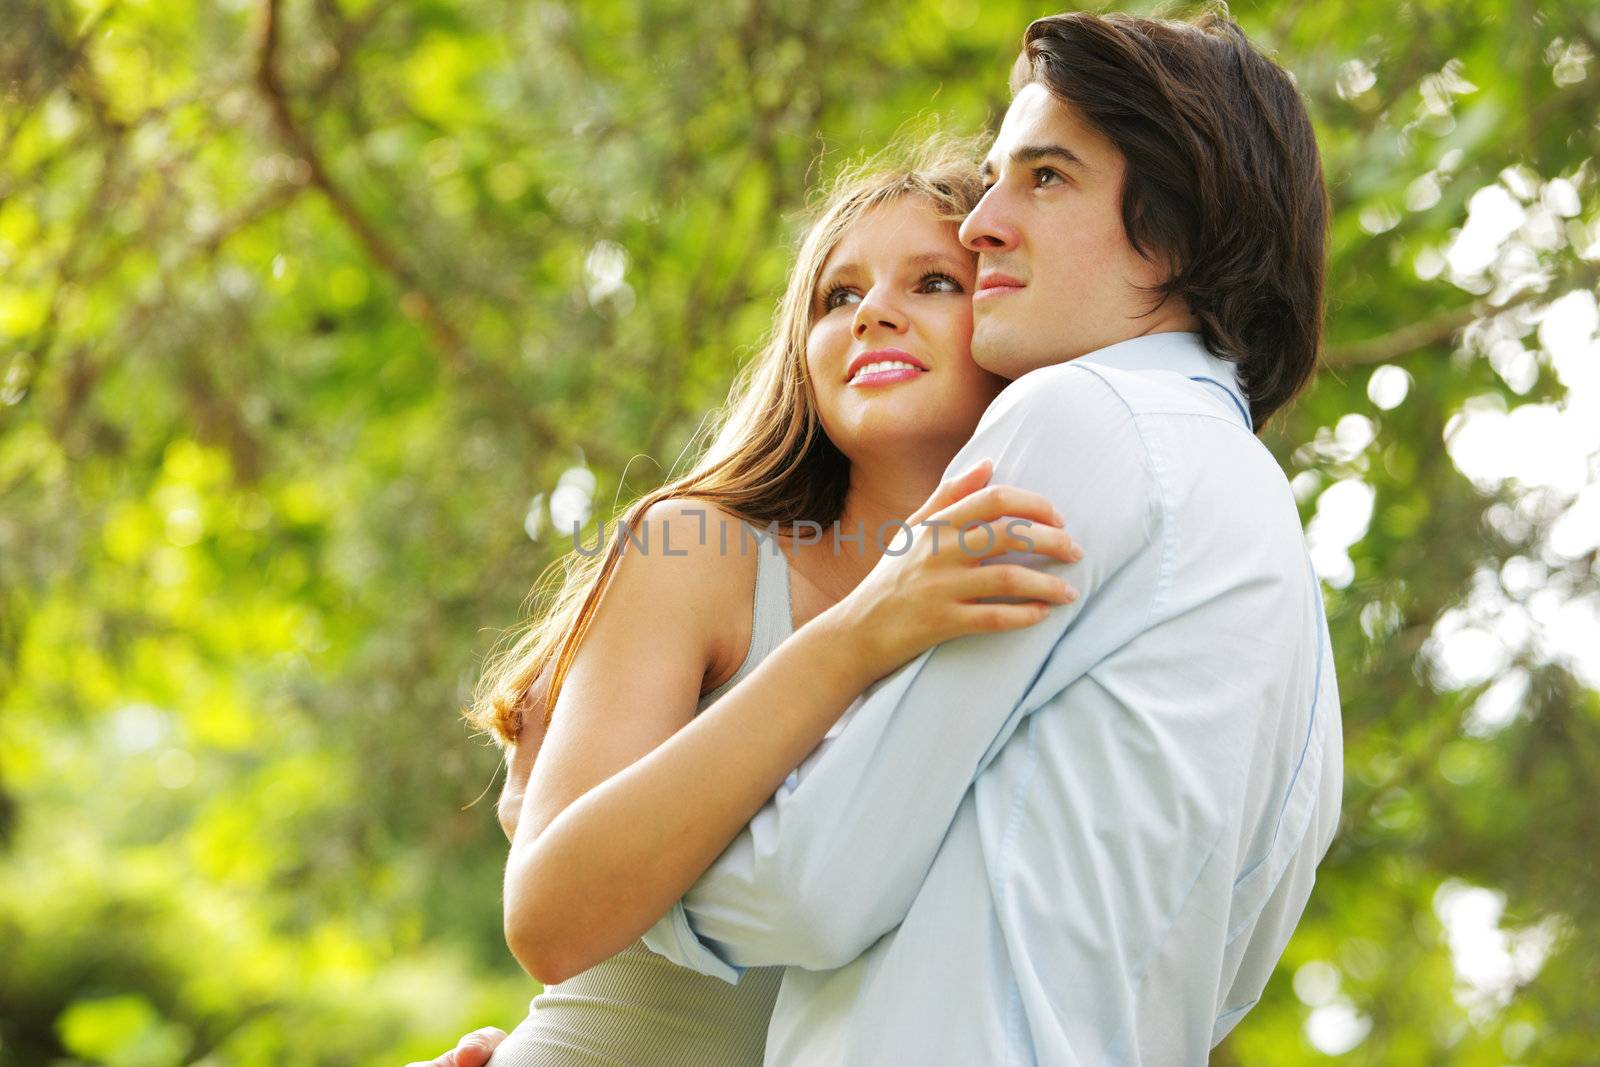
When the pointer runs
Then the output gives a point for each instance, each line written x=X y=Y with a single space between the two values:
x=890 y=348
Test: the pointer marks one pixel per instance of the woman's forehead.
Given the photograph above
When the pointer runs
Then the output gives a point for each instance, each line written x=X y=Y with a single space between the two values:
x=898 y=233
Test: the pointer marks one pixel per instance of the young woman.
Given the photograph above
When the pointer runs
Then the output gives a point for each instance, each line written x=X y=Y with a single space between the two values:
x=681 y=678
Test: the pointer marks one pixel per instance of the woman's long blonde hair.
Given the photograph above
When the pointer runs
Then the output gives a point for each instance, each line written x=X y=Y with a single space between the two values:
x=768 y=460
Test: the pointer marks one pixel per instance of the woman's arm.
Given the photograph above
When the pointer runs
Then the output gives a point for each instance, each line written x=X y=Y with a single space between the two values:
x=633 y=796
x=590 y=869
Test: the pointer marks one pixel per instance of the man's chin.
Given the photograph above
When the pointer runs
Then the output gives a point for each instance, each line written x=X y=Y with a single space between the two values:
x=1000 y=349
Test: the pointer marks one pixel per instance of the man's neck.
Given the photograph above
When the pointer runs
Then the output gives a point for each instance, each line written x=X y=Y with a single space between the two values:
x=1164 y=320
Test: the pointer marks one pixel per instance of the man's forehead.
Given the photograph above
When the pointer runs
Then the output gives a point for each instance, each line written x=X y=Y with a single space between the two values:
x=1036 y=108
x=1036 y=118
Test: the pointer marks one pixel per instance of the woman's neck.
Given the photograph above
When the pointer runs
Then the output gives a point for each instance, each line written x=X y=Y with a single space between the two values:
x=881 y=494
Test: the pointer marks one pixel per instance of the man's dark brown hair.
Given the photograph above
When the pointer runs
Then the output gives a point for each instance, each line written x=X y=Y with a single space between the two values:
x=1223 y=177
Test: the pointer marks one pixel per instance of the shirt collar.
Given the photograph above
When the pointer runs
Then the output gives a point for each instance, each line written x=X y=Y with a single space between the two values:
x=1182 y=353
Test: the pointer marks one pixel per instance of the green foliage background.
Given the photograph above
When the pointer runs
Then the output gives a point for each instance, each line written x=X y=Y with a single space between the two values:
x=302 y=301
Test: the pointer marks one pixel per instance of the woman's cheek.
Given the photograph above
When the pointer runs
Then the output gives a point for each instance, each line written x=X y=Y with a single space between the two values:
x=814 y=362
x=958 y=332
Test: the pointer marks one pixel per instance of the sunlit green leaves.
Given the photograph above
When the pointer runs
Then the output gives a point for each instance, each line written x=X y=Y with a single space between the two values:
x=269 y=432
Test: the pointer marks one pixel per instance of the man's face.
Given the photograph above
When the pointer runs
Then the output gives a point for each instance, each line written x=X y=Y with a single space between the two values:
x=1056 y=275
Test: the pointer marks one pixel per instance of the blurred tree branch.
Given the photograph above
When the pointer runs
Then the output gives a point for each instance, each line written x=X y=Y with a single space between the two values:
x=755 y=36
x=1442 y=326
x=417 y=301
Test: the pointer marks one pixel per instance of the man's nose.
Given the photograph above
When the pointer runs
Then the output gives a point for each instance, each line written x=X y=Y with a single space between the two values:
x=988 y=227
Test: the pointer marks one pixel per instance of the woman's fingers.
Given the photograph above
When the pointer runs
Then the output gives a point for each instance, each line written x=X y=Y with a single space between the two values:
x=998 y=519
x=985 y=540
x=953 y=489
x=1013 y=580
x=1038 y=591
x=994 y=502
x=1021 y=535
x=993 y=618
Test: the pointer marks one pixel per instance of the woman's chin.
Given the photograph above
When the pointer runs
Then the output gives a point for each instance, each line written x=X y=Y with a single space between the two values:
x=914 y=433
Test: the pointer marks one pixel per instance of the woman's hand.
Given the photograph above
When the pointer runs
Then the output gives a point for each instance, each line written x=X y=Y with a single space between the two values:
x=929 y=590
x=473 y=1050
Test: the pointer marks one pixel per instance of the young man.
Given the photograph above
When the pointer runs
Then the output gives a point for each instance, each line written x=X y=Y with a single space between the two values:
x=1088 y=841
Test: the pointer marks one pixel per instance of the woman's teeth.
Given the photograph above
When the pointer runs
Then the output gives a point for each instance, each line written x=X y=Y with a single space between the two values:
x=887 y=365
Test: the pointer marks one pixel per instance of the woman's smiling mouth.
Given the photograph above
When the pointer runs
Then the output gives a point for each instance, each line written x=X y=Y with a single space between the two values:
x=883 y=366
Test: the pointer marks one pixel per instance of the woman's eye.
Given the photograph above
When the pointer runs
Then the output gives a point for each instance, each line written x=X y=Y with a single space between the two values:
x=1040 y=174
x=834 y=297
x=941 y=283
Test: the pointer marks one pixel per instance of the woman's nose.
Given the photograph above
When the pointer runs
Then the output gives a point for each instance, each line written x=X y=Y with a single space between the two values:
x=872 y=312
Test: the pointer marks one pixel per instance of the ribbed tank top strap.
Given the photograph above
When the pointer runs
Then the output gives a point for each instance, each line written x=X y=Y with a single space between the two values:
x=772 y=617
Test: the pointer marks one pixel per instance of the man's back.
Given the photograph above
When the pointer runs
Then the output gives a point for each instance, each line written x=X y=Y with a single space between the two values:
x=1086 y=841
x=1213 y=731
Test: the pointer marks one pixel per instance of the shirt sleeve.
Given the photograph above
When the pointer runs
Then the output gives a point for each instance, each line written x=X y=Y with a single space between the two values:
x=833 y=861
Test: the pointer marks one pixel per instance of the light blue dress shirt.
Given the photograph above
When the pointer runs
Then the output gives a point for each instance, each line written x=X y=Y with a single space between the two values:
x=1087 y=841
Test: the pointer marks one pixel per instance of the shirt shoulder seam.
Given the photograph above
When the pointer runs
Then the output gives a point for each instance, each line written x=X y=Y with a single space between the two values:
x=1158 y=517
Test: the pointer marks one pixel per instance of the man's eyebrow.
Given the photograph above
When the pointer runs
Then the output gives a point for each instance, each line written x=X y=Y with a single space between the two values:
x=1033 y=153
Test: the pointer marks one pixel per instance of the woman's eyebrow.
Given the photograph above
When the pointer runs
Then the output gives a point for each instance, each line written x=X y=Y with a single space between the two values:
x=919 y=261
x=929 y=260
x=834 y=272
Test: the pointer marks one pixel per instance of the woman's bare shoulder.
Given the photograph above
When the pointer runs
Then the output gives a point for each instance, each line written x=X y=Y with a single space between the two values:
x=687 y=527
x=694 y=551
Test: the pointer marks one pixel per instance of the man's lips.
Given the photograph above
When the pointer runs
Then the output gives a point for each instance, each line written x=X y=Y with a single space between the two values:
x=995 y=284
